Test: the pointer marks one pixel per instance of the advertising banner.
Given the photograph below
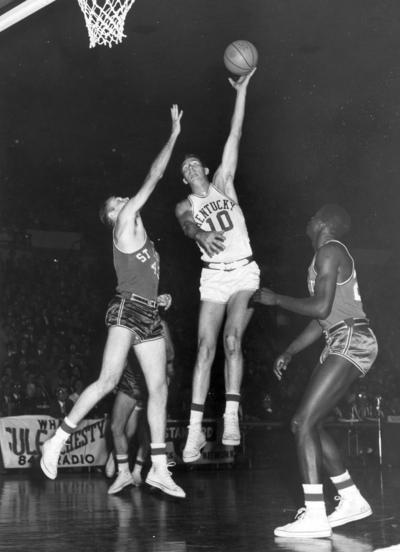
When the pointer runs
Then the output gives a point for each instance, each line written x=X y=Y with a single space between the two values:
x=22 y=437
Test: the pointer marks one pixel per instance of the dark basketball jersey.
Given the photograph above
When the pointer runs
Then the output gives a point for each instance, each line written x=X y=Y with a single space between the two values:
x=347 y=302
x=138 y=272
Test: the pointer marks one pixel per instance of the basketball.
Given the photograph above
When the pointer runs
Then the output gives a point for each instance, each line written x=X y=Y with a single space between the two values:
x=240 y=57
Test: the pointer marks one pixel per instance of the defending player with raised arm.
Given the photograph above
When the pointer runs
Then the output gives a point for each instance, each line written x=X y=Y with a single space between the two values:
x=212 y=217
x=337 y=312
x=132 y=319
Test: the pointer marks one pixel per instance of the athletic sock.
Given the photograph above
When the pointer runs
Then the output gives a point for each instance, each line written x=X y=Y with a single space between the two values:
x=158 y=453
x=314 y=498
x=64 y=431
x=137 y=468
x=232 y=403
x=122 y=462
x=345 y=485
x=196 y=413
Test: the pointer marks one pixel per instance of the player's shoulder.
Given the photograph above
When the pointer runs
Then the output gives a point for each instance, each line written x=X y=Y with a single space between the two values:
x=331 y=250
x=183 y=206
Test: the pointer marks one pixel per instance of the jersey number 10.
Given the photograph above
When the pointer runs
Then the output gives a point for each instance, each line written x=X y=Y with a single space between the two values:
x=224 y=221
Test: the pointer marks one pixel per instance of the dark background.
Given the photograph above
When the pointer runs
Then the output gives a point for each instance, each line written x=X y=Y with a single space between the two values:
x=322 y=125
x=322 y=121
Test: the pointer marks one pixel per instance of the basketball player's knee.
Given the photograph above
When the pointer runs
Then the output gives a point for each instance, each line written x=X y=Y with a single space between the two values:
x=106 y=385
x=232 y=344
x=117 y=428
x=297 y=426
x=205 y=351
x=300 y=426
x=158 y=390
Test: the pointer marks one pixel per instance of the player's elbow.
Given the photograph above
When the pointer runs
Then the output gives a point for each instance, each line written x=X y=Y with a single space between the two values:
x=323 y=310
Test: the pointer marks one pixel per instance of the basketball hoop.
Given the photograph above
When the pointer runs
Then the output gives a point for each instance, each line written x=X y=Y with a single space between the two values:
x=105 y=20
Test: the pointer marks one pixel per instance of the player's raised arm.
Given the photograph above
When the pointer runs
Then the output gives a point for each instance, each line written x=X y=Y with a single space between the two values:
x=156 y=171
x=225 y=174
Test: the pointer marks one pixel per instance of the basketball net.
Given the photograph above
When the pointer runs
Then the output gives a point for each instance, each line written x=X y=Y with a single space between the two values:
x=105 y=20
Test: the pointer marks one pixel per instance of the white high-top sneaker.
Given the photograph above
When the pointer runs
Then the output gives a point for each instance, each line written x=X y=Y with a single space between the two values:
x=196 y=441
x=159 y=476
x=51 y=451
x=308 y=524
x=350 y=508
x=123 y=479
x=231 y=435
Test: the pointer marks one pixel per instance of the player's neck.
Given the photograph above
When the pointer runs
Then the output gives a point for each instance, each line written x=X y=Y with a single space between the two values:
x=322 y=239
x=201 y=189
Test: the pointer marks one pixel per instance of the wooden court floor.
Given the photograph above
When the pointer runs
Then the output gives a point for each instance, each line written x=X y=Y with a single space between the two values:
x=225 y=510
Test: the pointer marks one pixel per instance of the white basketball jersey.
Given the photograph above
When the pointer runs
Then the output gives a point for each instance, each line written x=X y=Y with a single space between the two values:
x=218 y=212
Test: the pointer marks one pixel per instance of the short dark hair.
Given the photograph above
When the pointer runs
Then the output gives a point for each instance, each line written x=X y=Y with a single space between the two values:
x=103 y=213
x=190 y=156
x=336 y=217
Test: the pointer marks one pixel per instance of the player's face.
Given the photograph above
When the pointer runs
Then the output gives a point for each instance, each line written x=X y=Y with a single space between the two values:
x=313 y=226
x=115 y=205
x=192 y=168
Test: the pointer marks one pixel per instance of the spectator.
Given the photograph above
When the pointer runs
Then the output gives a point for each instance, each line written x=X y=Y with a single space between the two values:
x=61 y=404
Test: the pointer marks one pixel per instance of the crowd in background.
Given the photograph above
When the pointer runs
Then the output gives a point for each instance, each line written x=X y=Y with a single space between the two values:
x=52 y=334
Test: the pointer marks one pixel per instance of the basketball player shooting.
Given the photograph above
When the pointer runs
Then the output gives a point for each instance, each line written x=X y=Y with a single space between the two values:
x=212 y=217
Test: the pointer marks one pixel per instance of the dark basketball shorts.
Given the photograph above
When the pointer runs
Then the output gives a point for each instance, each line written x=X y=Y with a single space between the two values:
x=133 y=384
x=140 y=318
x=355 y=343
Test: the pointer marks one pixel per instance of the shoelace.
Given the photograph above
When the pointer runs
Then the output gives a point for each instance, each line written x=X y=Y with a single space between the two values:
x=300 y=513
x=170 y=464
x=338 y=499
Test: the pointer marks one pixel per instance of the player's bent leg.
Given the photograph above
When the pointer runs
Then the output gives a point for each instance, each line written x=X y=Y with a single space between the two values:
x=328 y=384
x=115 y=352
x=152 y=359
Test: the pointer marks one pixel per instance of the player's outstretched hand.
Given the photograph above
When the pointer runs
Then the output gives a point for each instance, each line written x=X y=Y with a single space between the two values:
x=211 y=242
x=264 y=296
x=176 y=117
x=242 y=81
x=281 y=364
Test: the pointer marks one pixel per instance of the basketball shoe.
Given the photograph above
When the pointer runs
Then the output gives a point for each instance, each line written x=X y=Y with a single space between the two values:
x=123 y=479
x=307 y=524
x=350 y=508
x=159 y=476
x=51 y=451
x=231 y=434
x=195 y=442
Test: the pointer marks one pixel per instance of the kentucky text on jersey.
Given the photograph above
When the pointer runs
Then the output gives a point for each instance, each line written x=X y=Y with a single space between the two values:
x=213 y=206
